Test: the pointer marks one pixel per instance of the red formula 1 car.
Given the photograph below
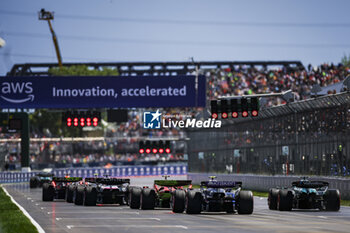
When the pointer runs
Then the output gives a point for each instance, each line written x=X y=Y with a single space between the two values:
x=56 y=189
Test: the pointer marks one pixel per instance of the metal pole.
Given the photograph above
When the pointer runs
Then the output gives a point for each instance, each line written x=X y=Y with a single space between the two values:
x=196 y=81
x=24 y=141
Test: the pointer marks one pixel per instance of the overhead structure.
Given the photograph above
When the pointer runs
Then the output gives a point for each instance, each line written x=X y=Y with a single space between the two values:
x=329 y=101
x=234 y=106
x=245 y=104
x=151 y=68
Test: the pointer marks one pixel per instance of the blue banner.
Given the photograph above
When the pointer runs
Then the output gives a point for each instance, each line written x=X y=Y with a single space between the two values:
x=101 y=92
x=123 y=171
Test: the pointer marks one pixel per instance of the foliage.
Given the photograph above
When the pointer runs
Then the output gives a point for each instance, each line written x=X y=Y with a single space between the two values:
x=49 y=123
x=42 y=120
x=260 y=194
x=82 y=70
x=346 y=60
x=12 y=220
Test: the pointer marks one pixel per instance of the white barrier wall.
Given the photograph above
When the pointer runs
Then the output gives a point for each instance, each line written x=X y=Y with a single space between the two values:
x=122 y=171
x=264 y=183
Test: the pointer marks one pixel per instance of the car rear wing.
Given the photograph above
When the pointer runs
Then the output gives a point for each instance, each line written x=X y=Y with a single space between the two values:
x=172 y=183
x=310 y=184
x=66 y=179
x=107 y=181
x=45 y=175
x=221 y=184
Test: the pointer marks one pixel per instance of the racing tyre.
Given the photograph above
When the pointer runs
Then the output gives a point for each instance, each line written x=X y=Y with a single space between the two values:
x=134 y=197
x=148 y=199
x=285 y=200
x=69 y=193
x=272 y=199
x=48 y=192
x=193 y=202
x=33 y=182
x=332 y=199
x=79 y=195
x=90 y=196
x=245 y=202
x=178 y=201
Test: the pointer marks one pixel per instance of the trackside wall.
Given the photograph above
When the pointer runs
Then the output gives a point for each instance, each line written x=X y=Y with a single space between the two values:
x=124 y=171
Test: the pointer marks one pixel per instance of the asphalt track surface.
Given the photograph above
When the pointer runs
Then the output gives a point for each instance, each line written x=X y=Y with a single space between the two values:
x=59 y=217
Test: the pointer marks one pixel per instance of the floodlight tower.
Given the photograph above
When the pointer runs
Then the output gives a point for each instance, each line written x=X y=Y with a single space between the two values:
x=48 y=16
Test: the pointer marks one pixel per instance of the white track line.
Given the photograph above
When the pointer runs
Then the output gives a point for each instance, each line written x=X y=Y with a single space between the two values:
x=127 y=226
x=105 y=212
x=38 y=227
x=116 y=219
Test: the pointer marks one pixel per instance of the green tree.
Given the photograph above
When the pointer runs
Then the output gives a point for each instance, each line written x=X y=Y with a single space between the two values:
x=83 y=70
x=45 y=120
x=346 y=60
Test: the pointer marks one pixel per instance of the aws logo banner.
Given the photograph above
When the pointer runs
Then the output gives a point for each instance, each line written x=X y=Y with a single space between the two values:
x=102 y=92
x=17 y=92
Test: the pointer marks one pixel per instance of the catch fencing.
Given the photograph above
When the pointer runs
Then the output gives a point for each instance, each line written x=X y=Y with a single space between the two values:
x=310 y=137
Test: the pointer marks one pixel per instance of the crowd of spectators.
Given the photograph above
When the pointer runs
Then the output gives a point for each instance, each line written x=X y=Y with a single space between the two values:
x=250 y=80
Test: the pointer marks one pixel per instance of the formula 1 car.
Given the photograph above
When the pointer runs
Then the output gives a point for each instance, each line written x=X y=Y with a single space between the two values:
x=71 y=191
x=56 y=189
x=96 y=190
x=165 y=193
x=217 y=196
x=40 y=179
x=304 y=194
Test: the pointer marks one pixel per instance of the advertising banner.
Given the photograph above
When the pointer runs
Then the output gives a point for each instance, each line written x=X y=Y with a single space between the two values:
x=101 y=92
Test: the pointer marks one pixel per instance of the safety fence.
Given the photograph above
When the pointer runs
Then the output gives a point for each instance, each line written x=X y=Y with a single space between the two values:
x=308 y=137
x=122 y=171
x=264 y=183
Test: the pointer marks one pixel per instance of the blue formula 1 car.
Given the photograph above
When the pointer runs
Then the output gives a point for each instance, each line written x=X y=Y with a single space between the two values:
x=305 y=194
x=218 y=196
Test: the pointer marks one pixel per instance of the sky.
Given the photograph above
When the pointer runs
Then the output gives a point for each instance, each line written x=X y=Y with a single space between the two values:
x=313 y=31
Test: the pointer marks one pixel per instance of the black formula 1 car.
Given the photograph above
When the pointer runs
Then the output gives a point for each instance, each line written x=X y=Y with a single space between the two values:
x=217 y=196
x=165 y=193
x=304 y=194
x=40 y=179
x=97 y=190
x=56 y=189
